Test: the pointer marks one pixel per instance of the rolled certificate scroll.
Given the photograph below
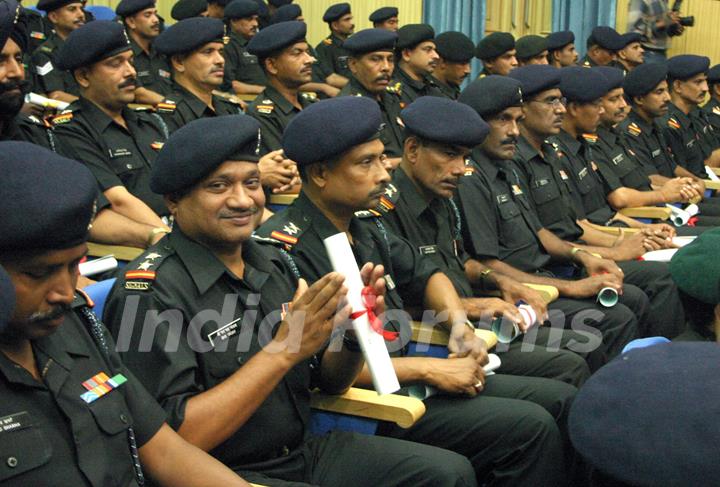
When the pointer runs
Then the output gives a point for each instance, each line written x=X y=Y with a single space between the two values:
x=98 y=266
x=680 y=217
x=371 y=340
x=44 y=102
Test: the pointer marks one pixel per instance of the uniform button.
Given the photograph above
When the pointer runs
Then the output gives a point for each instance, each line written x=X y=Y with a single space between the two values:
x=12 y=462
x=285 y=451
x=240 y=360
x=124 y=419
x=129 y=166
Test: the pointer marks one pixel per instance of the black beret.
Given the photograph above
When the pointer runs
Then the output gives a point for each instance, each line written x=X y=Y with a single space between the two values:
x=126 y=8
x=196 y=149
x=9 y=15
x=714 y=74
x=454 y=47
x=651 y=417
x=606 y=37
x=7 y=299
x=334 y=12
x=185 y=9
x=492 y=94
x=383 y=13
x=582 y=85
x=50 y=5
x=46 y=201
x=558 y=40
x=444 y=121
x=644 y=78
x=222 y=3
x=536 y=78
x=92 y=42
x=279 y=3
x=188 y=35
x=324 y=130
x=276 y=37
x=286 y=13
x=614 y=76
x=264 y=11
x=630 y=37
x=530 y=46
x=494 y=45
x=371 y=40
x=686 y=66
x=695 y=268
x=411 y=35
x=240 y=9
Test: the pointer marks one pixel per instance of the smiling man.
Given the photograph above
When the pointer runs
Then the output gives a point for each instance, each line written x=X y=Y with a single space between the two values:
x=195 y=49
x=72 y=413
x=117 y=144
x=243 y=393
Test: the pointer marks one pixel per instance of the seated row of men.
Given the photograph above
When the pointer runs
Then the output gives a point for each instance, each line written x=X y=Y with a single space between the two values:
x=497 y=190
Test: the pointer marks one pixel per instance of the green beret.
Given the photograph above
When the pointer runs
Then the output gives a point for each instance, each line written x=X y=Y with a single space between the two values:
x=494 y=45
x=185 y=9
x=188 y=35
x=411 y=35
x=382 y=14
x=92 y=42
x=530 y=46
x=695 y=268
x=492 y=94
x=454 y=47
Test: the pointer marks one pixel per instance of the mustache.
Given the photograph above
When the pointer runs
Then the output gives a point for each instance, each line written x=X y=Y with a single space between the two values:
x=509 y=140
x=253 y=210
x=53 y=314
x=383 y=77
x=128 y=83
x=22 y=85
x=379 y=191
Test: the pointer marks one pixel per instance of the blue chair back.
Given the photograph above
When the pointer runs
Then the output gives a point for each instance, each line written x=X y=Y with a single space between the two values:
x=99 y=292
x=101 y=12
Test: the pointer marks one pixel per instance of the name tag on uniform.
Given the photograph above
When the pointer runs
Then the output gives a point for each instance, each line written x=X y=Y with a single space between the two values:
x=563 y=175
x=503 y=198
x=690 y=144
x=428 y=249
x=656 y=152
x=583 y=173
x=14 y=422
x=516 y=190
x=119 y=153
x=224 y=332
x=163 y=73
x=542 y=182
x=143 y=73
x=618 y=159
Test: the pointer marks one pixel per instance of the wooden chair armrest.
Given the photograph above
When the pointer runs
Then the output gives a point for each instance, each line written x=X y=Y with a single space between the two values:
x=710 y=184
x=437 y=335
x=653 y=212
x=282 y=199
x=401 y=410
x=120 y=252
x=549 y=293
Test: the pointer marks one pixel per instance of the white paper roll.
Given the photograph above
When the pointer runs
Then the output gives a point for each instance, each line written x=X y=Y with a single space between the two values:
x=98 y=266
x=372 y=343
x=678 y=216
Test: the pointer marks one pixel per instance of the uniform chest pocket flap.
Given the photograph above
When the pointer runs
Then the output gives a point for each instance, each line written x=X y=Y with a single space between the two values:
x=111 y=413
x=23 y=446
x=623 y=165
x=584 y=181
x=544 y=193
x=508 y=210
x=121 y=160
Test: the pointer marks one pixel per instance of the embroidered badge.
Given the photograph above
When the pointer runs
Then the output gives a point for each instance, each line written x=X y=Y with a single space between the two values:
x=99 y=385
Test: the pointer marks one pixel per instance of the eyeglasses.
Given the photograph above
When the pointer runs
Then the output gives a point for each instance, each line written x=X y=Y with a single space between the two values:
x=554 y=102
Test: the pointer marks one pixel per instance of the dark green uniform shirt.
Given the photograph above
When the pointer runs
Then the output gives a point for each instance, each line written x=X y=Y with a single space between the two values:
x=647 y=143
x=302 y=227
x=448 y=91
x=586 y=62
x=49 y=435
x=497 y=219
x=588 y=187
x=197 y=345
x=411 y=89
x=684 y=135
x=38 y=28
x=274 y=113
x=543 y=178
x=433 y=228
x=189 y=107
x=392 y=134
x=240 y=65
x=115 y=155
x=712 y=110
x=153 y=70
x=332 y=58
x=29 y=128
x=616 y=165
x=47 y=77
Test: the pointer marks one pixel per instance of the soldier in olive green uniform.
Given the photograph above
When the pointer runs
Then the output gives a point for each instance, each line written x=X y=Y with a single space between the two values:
x=332 y=56
x=416 y=60
x=243 y=73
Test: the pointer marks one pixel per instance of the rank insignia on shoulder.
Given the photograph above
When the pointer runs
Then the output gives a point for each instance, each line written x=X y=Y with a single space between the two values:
x=139 y=280
x=165 y=107
x=516 y=190
x=288 y=239
x=673 y=124
x=563 y=175
x=37 y=35
x=44 y=69
x=367 y=214
x=386 y=204
x=633 y=129
x=716 y=110
x=395 y=89
x=469 y=169
x=328 y=41
x=592 y=138
x=157 y=145
x=266 y=109
x=63 y=118
x=309 y=95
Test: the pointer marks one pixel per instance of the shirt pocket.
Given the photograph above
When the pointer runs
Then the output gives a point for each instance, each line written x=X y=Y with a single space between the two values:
x=23 y=450
x=111 y=414
x=584 y=181
x=548 y=202
x=122 y=161
x=514 y=232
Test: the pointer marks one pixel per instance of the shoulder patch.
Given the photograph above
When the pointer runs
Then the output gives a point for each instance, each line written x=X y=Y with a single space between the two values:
x=309 y=95
x=716 y=110
x=592 y=138
x=60 y=119
x=395 y=89
x=165 y=107
x=266 y=109
x=37 y=35
x=367 y=214
x=634 y=130
x=328 y=41
x=673 y=124
x=44 y=69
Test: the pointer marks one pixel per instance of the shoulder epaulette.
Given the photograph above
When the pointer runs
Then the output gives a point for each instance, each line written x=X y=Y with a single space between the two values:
x=634 y=130
x=389 y=199
x=469 y=168
x=287 y=235
x=62 y=118
x=395 y=89
x=166 y=107
x=592 y=138
x=37 y=35
x=266 y=107
x=142 y=275
x=81 y=299
x=363 y=214
x=716 y=110
x=309 y=95
x=143 y=108
x=673 y=124
x=328 y=41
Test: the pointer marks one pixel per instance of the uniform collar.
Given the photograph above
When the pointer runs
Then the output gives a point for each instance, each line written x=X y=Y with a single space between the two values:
x=572 y=144
x=205 y=268
x=679 y=115
x=320 y=223
x=488 y=166
x=640 y=122
x=410 y=193
x=280 y=101
x=409 y=80
x=197 y=106
x=525 y=151
x=99 y=119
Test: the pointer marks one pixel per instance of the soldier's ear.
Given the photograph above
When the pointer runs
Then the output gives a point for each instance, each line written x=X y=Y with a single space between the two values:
x=178 y=63
x=317 y=174
x=81 y=75
x=411 y=149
